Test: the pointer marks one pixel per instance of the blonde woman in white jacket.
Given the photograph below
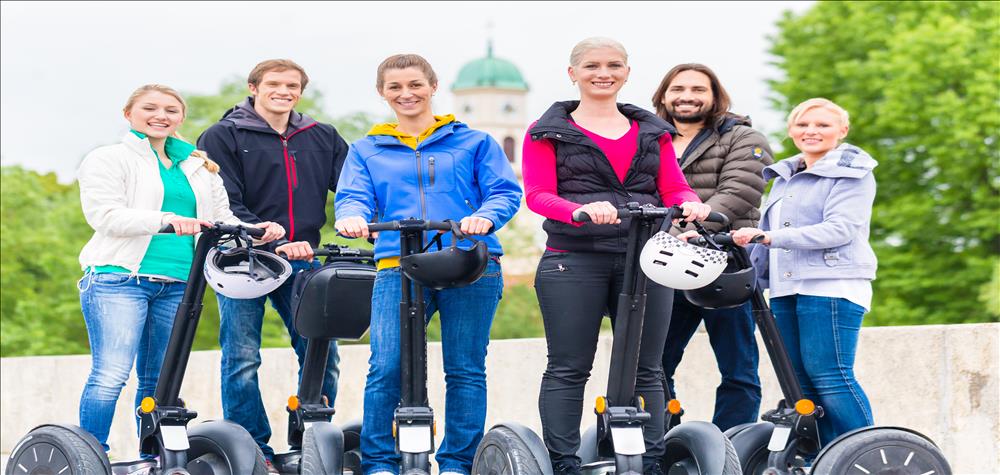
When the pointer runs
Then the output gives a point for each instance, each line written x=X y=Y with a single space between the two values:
x=134 y=279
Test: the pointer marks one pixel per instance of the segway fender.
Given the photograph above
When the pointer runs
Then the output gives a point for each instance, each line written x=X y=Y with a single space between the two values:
x=849 y=435
x=534 y=443
x=226 y=439
x=701 y=441
x=588 y=446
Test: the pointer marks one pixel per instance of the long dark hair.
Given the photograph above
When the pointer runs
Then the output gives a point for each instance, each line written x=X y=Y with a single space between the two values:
x=720 y=99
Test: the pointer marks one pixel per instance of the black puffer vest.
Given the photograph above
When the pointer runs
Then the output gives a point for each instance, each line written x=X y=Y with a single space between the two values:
x=585 y=175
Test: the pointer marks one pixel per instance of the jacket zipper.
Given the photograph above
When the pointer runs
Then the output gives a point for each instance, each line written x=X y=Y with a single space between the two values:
x=420 y=186
x=430 y=167
x=291 y=178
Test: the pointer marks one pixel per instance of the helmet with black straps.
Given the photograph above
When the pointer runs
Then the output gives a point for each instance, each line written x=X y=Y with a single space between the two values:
x=448 y=267
x=244 y=272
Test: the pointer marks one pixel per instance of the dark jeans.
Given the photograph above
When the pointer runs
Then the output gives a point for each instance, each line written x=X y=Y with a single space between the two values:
x=239 y=336
x=731 y=334
x=575 y=290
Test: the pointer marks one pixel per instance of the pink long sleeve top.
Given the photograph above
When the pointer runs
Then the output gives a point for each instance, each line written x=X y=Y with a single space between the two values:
x=538 y=167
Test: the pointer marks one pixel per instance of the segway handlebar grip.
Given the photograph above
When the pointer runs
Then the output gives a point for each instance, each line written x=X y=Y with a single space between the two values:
x=223 y=228
x=397 y=225
x=342 y=252
x=717 y=217
x=583 y=217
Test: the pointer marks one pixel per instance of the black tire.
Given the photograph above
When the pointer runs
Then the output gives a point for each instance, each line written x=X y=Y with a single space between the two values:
x=881 y=449
x=322 y=450
x=226 y=443
x=502 y=452
x=352 y=447
x=750 y=443
x=63 y=449
x=699 y=448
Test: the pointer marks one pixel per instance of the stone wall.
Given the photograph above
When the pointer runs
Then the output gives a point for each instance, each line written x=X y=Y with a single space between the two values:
x=940 y=380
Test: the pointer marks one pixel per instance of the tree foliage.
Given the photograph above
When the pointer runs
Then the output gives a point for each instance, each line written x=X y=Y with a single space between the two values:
x=920 y=80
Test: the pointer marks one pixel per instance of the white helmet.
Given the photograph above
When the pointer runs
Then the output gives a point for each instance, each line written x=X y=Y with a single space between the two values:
x=245 y=273
x=673 y=263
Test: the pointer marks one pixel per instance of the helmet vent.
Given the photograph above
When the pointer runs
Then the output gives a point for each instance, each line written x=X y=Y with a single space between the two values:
x=699 y=264
x=692 y=274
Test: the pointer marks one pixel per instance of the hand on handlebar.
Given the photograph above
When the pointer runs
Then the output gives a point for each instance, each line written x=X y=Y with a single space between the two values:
x=272 y=231
x=352 y=227
x=187 y=226
x=694 y=211
x=475 y=225
x=744 y=236
x=296 y=251
x=600 y=212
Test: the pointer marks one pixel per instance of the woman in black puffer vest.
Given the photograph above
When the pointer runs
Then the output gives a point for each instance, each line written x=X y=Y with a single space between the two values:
x=592 y=156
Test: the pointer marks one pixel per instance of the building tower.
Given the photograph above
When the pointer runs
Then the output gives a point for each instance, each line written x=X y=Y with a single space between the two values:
x=490 y=95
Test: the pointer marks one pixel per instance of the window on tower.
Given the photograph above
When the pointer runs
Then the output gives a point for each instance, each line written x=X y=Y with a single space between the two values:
x=508 y=108
x=508 y=148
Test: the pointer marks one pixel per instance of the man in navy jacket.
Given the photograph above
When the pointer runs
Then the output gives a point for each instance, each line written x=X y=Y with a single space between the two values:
x=277 y=165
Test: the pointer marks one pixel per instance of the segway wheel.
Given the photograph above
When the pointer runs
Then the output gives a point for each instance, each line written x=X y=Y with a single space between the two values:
x=352 y=447
x=750 y=442
x=699 y=448
x=66 y=450
x=222 y=447
x=881 y=450
x=322 y=446
x=502 y=452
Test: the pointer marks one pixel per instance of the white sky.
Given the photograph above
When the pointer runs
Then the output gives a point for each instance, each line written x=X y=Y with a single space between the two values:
x=67 y=68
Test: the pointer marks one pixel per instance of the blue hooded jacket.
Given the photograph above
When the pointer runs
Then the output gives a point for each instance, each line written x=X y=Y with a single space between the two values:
x=454 y=173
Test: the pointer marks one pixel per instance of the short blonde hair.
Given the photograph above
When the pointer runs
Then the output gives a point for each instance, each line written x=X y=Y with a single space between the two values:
x=595 y=42
x=815 y=102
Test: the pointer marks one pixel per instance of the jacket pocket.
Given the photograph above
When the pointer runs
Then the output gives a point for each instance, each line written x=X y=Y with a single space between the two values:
x=439 y=172
x=830 y=257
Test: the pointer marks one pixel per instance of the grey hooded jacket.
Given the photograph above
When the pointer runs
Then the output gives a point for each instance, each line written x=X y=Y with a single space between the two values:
x=825 y=216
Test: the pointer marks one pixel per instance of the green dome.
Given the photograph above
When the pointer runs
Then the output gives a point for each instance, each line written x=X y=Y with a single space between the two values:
x=489 y=72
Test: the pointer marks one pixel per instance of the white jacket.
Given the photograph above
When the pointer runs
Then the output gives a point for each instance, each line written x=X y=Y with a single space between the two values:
x=121 y=194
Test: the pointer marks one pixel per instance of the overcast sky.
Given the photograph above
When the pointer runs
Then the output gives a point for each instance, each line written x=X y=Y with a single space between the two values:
x=67 y=68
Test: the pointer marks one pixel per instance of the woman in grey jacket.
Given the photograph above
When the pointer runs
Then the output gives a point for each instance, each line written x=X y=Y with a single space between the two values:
x=817 y=261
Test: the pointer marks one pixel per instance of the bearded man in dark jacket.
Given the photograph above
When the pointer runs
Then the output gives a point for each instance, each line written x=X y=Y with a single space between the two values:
x=722 y=158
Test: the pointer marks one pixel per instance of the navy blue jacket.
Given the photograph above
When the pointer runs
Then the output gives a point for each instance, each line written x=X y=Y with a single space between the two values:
x=274 y=177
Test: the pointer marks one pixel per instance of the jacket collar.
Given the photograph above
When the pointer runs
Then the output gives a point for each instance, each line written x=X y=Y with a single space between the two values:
x=556 y=117
x=709 y=136
x=438 y=134
x=244 y=116
x=141 y=147
x=845 y=161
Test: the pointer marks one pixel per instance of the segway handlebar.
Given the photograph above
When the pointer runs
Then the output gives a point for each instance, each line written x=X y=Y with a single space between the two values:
x=221 y=228
x=342 y=251
x=410 y=224
x=673 y=212
x=722 y=239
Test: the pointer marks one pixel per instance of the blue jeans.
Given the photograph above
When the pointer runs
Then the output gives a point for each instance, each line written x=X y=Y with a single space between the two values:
x=821 y=335
x=129 y=318
x=731 y=334
x=466 y=316
x=239 y=336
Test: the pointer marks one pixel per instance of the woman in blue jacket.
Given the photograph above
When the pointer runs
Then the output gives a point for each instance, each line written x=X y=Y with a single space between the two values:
x=815 y=225
x=429 y=167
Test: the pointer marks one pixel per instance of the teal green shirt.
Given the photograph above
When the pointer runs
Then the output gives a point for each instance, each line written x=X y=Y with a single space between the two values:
x=169 y=255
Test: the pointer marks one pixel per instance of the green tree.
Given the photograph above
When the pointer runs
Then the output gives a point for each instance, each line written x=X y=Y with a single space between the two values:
x=920 y=80
x=43 y=231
